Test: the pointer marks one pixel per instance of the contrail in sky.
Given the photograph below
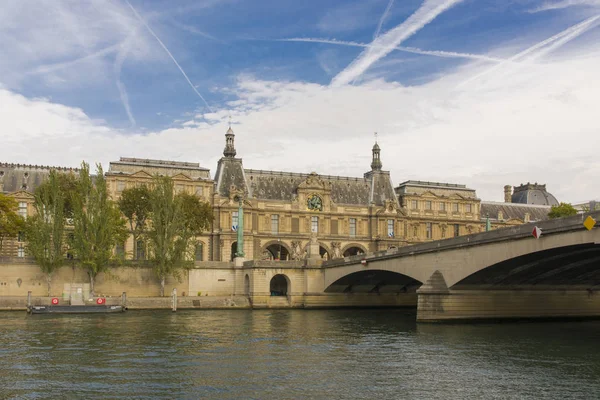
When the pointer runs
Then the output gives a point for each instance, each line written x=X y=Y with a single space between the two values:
x=436 y=53
x=382 y=19
x=560 y=38
x=386 y=43
x=169 y=53
x=53 y=67
x=567 y=37
x=121 y=55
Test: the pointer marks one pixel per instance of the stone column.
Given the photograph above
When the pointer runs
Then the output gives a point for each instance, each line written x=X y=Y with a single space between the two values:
x=313 y=258
x=240 y=231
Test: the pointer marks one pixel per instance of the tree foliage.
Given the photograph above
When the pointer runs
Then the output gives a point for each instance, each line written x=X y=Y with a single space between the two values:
x=11 y=222
x=175 y=221
x=562 y=210
x=97 y=224
x=63 y=189
x=135 y=206
x=45 y=230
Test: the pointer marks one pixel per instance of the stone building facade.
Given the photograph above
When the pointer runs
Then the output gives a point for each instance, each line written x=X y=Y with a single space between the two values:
x=282 y=211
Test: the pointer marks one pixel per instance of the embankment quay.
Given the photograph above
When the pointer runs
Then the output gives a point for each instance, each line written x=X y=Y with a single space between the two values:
x=505 y=273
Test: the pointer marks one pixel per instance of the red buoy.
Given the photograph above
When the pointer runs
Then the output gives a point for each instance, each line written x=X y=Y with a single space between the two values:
x=100 y=300
x=55 y=300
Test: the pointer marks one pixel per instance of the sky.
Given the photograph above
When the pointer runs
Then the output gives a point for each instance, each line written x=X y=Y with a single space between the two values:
x=477 y=92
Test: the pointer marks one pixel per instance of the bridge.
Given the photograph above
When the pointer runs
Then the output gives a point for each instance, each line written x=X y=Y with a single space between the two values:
x=505 y=273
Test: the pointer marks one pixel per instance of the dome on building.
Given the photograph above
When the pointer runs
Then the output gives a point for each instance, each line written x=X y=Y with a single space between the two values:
x=532 y=193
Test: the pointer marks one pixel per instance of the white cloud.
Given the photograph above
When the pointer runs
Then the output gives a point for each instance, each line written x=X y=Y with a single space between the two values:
x=535 y=124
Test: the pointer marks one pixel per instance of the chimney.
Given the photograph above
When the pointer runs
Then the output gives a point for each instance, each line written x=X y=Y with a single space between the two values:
x=508 y=194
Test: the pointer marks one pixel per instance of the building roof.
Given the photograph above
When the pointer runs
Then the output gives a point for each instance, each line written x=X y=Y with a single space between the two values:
x=438 y=185
x=129 y=166
x=16 y=177
x=514 y=211
x=532 y=193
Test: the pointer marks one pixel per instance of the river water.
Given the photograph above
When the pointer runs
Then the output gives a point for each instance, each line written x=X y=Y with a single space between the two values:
x=292 y=354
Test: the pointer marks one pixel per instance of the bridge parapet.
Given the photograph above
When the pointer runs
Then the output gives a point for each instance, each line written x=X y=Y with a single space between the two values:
x=549 y=227
x=274 y=264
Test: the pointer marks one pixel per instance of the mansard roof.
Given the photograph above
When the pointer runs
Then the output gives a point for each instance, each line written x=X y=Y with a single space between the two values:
x=18 y=177
x=374 y=187
x=514 y=211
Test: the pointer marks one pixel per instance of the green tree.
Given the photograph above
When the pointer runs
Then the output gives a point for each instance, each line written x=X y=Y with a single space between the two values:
x=135 y=206
x=97 y=224
x=11 y=223
x=175 y=221
x=45 y=230
x=562 y=210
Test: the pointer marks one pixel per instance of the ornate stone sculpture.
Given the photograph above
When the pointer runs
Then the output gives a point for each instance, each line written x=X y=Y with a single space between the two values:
x=315 y=203
x=337 y=250
x=297 y=252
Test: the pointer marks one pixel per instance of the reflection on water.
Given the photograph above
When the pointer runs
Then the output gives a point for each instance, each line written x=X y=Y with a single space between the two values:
x=292 y=354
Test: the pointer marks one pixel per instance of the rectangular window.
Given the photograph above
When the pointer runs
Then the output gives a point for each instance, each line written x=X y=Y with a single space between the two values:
x=140 y=250
x=455 y=207
x=120 y=250
x=23 y=209
x=20 y=237
x=390 y=228
x=199 y=252
x=413 y=204
x=120 y=186
x=274 y=224
x=21 y=252
x=429 y=230
x=468 y=208
x=199 y=191
x=352 y=225
x=314 y=224
x=234 y=220
x=442 y=206
x=456 y=230
x=428 y=205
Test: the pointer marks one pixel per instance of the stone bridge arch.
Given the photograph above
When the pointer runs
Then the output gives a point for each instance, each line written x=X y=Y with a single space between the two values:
x=456 y=263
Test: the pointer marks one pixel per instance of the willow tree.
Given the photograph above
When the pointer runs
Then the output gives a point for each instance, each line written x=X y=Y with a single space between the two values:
x=45 y=230
x=176 y=219
x=135 y=206
x=11 y=222
x=97 y=224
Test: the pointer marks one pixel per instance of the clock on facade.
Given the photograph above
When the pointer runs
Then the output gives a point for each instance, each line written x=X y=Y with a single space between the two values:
x=315 y=203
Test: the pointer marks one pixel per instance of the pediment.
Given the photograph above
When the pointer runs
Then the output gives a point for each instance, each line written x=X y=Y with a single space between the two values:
x=21 y=194
x=181 y=177
x=141 y=174
x=314 y=182
x=429 y=193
